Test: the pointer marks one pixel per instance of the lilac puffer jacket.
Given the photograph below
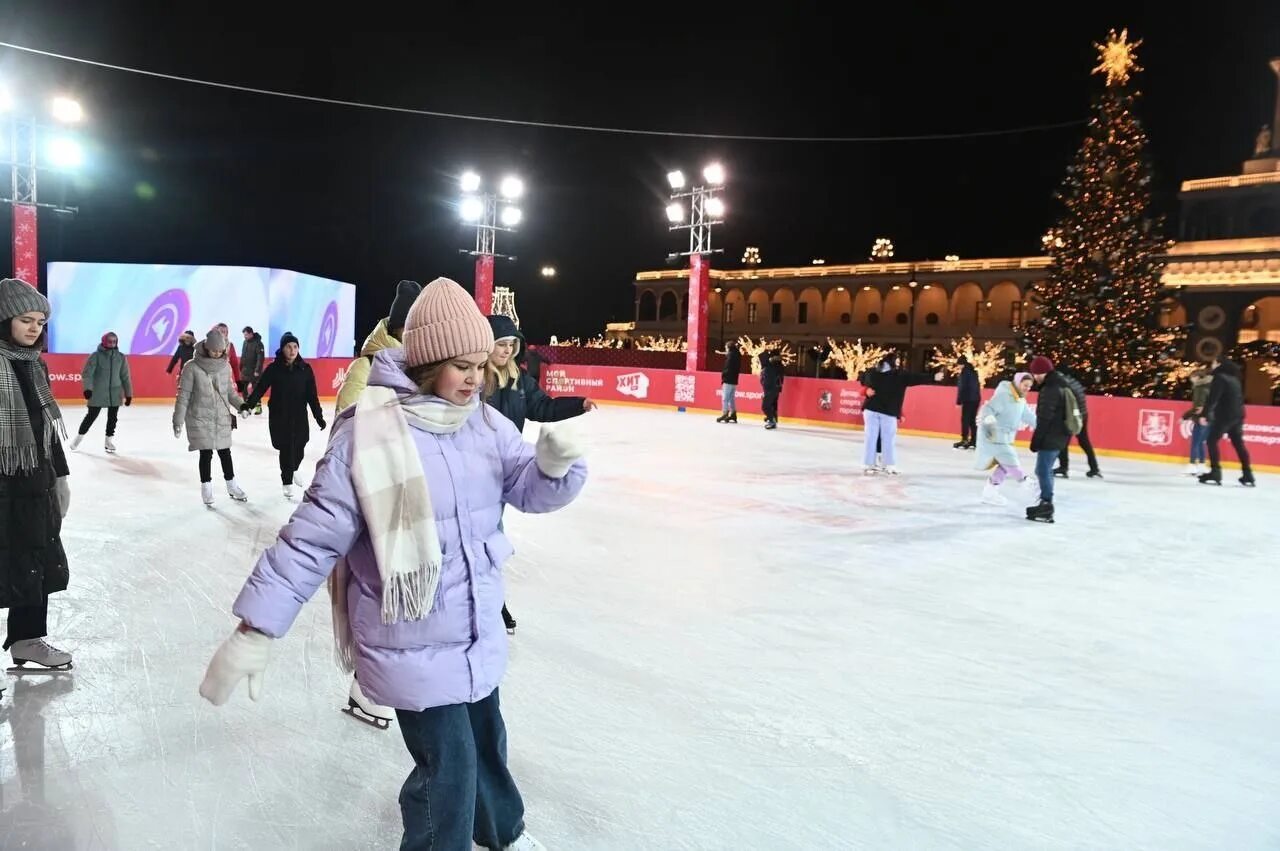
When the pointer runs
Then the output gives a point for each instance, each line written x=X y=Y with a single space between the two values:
x=458 y=653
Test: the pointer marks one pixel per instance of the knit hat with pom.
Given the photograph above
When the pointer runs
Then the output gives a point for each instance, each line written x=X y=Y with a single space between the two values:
x=444 y=323
x=1040 y=365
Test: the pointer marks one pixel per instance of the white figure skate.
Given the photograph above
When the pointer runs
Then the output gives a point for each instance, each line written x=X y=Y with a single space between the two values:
x=363 y=709
x=206 y=493
x=525 y=842
x=75 y=442
x=288 y=491
x=45 y=658
x=110 y=446
x=991 y=495
x=234 y=491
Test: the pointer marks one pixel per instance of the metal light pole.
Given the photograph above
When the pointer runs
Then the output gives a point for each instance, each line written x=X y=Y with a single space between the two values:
x=26 y=160
x=489 y=213
x=705 y=211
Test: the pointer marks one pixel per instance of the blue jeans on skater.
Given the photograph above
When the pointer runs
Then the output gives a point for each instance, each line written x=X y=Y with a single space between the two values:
x=460 y=790
x=729 y=399
x=1045 y=459
x=884 y=429
x=1199 y=443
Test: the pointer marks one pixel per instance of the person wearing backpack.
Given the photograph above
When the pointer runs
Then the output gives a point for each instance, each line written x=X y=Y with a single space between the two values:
x=1058 y=417
x=1082 y=436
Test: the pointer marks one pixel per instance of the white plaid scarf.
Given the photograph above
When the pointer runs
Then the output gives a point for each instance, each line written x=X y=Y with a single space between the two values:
x=396 y=504
x=19 y=450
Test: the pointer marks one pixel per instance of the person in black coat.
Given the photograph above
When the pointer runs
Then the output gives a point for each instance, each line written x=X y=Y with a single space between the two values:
x=1051 y=435
x=1224 y=414
x=253 y=359
x=513 y=393
x=34 y=494
x=771 y=379
x=729 y=384
x=1082 y=402
x=968 y=397
x=292 y=385
x=184 y=353
x=886 y=391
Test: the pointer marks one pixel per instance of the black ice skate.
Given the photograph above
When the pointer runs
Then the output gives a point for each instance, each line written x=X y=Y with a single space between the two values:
x=732 y=418
x=1213 y=477
x=43 y=657
x=771 y=424
x=723 y=418
x=1041 y=512
x=1248 y=480
x=509 y=621
x=1060 y=472
x=1094 y=474
x=960 y=445
x=362 y=709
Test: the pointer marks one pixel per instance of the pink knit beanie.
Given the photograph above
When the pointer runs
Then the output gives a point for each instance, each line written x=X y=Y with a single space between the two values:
x=444 y=323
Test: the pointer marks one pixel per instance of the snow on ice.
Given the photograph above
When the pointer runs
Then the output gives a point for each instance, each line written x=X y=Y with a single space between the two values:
x=732 y=640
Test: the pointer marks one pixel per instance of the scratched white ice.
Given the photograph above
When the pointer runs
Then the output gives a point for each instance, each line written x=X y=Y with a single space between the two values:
x=729 y=642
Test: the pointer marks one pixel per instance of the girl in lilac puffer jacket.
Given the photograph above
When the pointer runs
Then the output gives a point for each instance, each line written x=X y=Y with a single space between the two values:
x=410 y=491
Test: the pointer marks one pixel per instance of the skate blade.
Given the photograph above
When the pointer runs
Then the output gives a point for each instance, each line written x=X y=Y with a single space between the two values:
x=511 y=630
x=21 y=669
x=239 y=499
x=353 y=709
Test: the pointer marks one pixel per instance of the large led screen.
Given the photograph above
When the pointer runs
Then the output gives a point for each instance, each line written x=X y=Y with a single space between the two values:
x=148 y=306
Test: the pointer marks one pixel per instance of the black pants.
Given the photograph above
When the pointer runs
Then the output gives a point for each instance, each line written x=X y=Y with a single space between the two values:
x=1085 y=444
x=90 y=417
x=290 y=461
x=206 y=465
x=968 y=422
x=769 y=404
x=1235 y=432
x=28 y=622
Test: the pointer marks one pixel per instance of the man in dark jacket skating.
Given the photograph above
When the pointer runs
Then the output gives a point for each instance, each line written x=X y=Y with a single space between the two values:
x=771 y=383
x=968 y=397
x=516 y=395
x=729 y=384
x=1224 y=414
x=292 y=385
x=253 y=359
x=1051 y=435
x=1064 y=459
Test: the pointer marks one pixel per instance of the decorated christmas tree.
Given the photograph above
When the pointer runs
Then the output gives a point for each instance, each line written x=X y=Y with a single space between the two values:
x=1098 y=309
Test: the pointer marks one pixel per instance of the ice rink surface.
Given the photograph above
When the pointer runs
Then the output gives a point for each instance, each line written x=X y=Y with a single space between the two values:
x=731 y=641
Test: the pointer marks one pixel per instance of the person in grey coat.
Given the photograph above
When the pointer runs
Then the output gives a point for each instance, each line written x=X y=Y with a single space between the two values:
x=204 y=394
x=106 y=384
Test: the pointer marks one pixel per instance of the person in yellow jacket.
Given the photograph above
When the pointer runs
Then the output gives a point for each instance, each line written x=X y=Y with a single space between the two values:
x=385 y=335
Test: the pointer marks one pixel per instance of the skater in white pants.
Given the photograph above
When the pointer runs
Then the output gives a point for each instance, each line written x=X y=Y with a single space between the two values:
x=886 y=390
x=998 y=423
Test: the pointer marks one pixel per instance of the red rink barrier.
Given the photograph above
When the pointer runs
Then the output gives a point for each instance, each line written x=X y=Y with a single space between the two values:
x=1145 y=428
x=152 y=384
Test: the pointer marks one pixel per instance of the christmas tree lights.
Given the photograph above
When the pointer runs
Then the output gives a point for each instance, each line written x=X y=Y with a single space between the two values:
x=1099 y=307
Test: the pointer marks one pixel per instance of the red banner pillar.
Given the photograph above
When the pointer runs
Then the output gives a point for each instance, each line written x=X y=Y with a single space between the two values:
x=699 y=285
x=26 y=265
x=484 y=283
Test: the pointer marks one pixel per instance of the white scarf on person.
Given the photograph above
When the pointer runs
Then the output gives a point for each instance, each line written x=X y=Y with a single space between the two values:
x=395 y=502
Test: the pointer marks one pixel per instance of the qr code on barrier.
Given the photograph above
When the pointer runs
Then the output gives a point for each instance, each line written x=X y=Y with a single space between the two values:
x=686 y=388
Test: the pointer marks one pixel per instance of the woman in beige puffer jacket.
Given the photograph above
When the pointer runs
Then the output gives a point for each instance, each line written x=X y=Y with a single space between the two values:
x=204 y=394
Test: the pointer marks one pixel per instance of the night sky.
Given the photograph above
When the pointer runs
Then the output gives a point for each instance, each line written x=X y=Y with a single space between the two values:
x=368 y=197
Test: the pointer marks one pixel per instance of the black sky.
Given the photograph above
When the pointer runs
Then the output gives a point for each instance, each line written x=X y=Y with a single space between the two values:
x=365 y=197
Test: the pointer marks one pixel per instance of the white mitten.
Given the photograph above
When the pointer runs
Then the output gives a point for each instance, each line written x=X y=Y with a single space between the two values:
x=244 y=415
x=244 y=654
x=63 y=490
x=558 y=447
x=177 y=431
x=989 y=420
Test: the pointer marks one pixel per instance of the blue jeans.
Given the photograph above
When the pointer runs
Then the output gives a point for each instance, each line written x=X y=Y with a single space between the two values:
x=884 y=429
x=1199 y=442
x=729 y=399
x=460 y=790
x=1045 y=459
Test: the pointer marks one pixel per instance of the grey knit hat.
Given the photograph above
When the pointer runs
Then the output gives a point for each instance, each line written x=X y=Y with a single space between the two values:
x=215 y=342
x=18 y=297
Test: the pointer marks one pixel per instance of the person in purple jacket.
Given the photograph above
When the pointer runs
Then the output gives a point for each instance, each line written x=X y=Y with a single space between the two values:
x=410 y=492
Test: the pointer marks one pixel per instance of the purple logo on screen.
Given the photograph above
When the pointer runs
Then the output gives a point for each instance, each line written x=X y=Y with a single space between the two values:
x=161 y=323
x=328 y=331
